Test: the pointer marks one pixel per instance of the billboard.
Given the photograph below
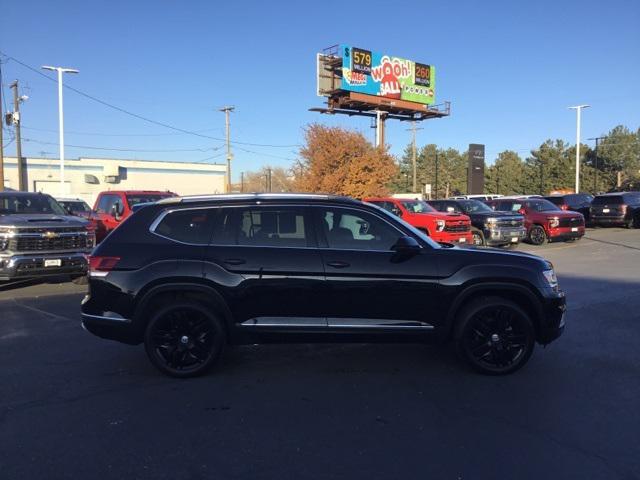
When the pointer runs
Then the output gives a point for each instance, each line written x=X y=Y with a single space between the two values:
x=373 y=73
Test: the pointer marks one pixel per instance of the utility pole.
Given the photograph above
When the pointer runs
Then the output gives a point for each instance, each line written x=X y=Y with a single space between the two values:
x=595 y=165
x=413 y=154
x=578 y=109
x=436 y=194
x=16 y=122
x=241 y=182
x=498 y=179
x=270 y=185
x=1 y=140
x=60 y=71
x=227 y=110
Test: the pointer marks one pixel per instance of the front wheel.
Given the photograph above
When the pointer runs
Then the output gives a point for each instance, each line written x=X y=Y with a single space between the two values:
x=184 y=339
x=537 y=235
x=494 y=336
x=477 y=238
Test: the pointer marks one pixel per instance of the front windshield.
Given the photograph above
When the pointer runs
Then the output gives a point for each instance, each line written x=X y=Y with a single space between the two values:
x=29 y=205
x=542 y=206
x=417 y=206
x=474 y=206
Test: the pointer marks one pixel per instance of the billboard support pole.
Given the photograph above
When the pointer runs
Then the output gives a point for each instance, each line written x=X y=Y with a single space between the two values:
x=380 y=116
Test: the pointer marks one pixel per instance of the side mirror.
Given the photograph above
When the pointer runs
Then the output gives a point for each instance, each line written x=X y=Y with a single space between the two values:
x=521 y=211
x=406 y=244
x=116 y=211
x=397 y=212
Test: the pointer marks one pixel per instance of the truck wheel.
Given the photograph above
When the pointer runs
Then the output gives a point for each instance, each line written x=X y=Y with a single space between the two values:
x=494 y=336
x=478 y=237
x=537 y=235
x=184 y=339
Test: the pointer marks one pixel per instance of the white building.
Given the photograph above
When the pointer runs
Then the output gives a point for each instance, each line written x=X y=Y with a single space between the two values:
x=86 y=177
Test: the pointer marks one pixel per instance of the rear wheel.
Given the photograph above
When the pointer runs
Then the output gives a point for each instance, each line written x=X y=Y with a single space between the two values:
x=477 y=237
x=184 y=339
x=494 y=336
x=537 y=235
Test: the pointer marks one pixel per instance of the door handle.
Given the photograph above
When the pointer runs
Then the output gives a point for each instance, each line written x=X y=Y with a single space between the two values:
x=338 y=264
x=234 y=261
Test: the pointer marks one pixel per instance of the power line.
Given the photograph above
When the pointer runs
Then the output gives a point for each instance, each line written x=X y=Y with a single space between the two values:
x=90 y=147
x=267 y=154
x=111 y=134
x=138 y=116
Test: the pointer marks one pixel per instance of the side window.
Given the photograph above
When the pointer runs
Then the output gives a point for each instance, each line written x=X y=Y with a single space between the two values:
x=187 y=226
x=451 y=207
x=272 y=227
x=393 y=208
x=104 y=205
x=353 y=230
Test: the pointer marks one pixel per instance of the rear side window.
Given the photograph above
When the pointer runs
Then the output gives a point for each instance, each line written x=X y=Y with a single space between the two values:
x=272 y=227
x=558 y=200
x=187 y=226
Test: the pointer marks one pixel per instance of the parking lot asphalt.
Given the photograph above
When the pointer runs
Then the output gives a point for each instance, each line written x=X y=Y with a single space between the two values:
x=75 y=406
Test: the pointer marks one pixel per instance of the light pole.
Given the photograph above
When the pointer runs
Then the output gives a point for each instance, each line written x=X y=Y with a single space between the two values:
x=60 y=71
x=578 y=109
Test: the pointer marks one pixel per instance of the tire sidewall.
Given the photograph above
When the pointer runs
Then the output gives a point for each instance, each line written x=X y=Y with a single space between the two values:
x=544 y=235
x=465 y=324
x=477 y=233
x=219 y=339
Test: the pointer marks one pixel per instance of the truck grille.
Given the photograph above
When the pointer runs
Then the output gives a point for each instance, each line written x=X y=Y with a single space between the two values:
x=50 y=240
x=571 y=222
x=510 y=222
x=457 y=227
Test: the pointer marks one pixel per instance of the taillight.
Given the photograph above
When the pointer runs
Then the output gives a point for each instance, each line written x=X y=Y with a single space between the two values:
x=564 y=207
x=623 y=209
x=101 y=266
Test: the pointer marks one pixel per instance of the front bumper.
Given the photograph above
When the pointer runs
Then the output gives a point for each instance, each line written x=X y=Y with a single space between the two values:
x=565 y=233
x=33 y=265
x=461 y=238
x=503 y=236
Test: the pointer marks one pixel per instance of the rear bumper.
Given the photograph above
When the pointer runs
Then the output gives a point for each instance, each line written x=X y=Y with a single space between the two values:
x=608 y=220
x=554 y=310
x=110 y=326
x=33 y=266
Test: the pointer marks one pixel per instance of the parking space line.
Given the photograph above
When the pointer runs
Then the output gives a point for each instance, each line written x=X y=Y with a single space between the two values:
x=44 y=312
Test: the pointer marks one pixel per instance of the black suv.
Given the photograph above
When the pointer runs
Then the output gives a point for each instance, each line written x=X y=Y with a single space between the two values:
x=576 y=202
x=616 y=209
x=489 y=227
x=187 y=276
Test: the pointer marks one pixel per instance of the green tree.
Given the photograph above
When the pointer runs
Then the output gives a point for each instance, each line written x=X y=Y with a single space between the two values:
x=507 y=176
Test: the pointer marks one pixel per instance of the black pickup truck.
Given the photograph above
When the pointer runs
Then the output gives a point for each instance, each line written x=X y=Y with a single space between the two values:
x=38 y=238
x=489 y=227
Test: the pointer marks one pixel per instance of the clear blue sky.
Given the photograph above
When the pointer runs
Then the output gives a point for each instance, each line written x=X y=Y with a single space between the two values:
x=509 y=68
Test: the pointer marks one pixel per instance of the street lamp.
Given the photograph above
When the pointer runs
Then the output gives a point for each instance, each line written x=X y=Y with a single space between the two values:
x=578 y=109
x=60 y=71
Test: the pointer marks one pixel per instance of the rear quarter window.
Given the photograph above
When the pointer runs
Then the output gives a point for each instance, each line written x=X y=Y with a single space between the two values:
x=609 y=200
x=187 y=226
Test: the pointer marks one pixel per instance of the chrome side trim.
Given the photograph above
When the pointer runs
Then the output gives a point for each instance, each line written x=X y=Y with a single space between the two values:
x=378 y=323
x=114 y=317
x=275 y=322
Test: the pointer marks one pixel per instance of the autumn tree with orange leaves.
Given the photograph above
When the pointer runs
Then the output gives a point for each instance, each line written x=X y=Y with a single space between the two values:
x=342 y=162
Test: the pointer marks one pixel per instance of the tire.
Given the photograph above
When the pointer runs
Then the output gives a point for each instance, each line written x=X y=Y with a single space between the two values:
x=494 y=336
x=537 y=235
x=634 y=222
x=478 y=238
x=184 y=339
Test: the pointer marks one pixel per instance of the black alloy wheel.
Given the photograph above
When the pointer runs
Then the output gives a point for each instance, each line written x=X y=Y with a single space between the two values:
x=477 y=238
x=495 y=336
x=184 y=340
x=537 y=235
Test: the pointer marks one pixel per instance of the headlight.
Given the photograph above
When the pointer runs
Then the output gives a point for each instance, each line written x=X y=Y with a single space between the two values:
x=553 y=222
x=550 y=276
x=490 y=221
x=440 y=225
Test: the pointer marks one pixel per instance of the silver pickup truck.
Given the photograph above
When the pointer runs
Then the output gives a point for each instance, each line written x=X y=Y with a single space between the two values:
x=38 y=238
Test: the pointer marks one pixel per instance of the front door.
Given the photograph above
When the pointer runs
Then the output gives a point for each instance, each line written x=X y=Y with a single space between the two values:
x=277 y=274
x=371 y=287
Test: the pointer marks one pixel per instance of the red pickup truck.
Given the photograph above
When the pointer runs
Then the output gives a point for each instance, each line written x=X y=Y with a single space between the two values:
x=113 y=206
x=440 y=226
x=544 y=221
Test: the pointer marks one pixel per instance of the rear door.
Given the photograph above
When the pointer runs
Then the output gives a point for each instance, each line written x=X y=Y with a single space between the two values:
x=266 y=260
x=372 y=288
